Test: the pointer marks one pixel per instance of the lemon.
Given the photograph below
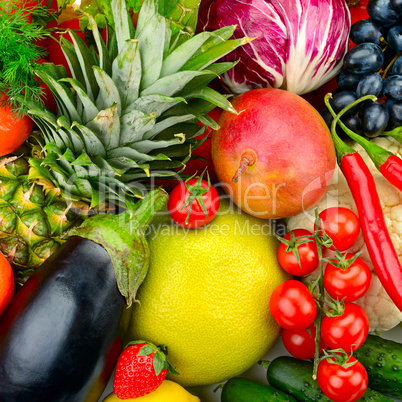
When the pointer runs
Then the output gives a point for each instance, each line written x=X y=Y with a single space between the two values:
x=168 y=391
x=206 y=295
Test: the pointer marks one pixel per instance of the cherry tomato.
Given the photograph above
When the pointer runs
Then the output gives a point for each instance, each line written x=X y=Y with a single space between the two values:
x=308 y=254
x=349 y=283
x=292 y=305
x=13 y=130
x=300 y=343
x=179 y=205
x=347 y=331
x=342 y=384
x=341 y=225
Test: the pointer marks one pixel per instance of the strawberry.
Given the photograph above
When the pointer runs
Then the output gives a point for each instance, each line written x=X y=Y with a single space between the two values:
x=140 y=370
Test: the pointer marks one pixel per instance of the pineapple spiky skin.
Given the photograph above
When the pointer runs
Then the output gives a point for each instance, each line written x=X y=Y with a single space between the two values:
x=32 y=220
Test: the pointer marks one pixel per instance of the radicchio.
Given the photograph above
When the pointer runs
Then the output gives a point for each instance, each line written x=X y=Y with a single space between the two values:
x=299 y=44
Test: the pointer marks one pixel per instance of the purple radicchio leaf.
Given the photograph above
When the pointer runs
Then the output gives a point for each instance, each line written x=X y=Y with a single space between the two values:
x=299 y=44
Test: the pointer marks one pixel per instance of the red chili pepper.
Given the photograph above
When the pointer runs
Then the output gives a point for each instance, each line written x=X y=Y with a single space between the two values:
x=386 y=162
x=391 y=169
x=362 y=185
x=378 y=241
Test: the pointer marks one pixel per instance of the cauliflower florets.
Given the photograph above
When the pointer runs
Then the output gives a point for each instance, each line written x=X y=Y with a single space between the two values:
x=382 y=312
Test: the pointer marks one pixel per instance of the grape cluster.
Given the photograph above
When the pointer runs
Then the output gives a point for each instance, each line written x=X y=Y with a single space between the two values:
x=372 y=67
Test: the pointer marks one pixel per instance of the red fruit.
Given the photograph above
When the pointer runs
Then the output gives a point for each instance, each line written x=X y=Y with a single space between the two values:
x=275 y=157
x=140 y=370
x=13 y=130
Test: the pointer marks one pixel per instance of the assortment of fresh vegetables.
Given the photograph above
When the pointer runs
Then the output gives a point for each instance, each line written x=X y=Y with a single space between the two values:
x=123 y=96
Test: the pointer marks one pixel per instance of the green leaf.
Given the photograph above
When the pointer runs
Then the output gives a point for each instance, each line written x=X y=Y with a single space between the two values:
x=147 y=350
x=104 y=58
x=106 y=126
x=93 y=145
x=212 y=96
x=123 y=238
x=171 y=85
x=88 y=107
x=148 y=10
x=158 y=363
x=134 y=125
x=148 y=146
x=121 y=22
x=86 y=61
x=156 y=103
x=166 y=123
x=215 y=53
x=108 y=92
x=126 y=74
x=151 y=42
x=178 y=58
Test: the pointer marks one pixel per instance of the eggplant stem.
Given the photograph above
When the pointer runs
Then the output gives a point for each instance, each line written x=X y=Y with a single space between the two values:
x=247 y=159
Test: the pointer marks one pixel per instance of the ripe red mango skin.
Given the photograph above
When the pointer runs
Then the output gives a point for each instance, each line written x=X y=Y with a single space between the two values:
x=295 y=155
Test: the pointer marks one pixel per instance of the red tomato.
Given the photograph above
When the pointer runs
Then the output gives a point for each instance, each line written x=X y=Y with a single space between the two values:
x=342 y=384
x=13 y=130
x=292 y=305
x=350 y=283
x=308 y=254
x=341 y=225
x=179 y=211
x=300 y=343
x=347 y=331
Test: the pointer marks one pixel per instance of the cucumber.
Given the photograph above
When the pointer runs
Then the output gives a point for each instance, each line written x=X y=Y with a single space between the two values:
x=240 y=389
x=382 y=359
x=295 y=377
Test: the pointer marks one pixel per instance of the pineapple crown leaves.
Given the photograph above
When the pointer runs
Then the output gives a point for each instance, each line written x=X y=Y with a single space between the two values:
x=129 y=107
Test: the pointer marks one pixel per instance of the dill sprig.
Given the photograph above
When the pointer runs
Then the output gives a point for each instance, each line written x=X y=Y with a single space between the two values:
x=18 y=53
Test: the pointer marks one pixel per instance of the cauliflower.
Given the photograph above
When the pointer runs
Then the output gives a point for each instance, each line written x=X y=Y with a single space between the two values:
x=382 y=312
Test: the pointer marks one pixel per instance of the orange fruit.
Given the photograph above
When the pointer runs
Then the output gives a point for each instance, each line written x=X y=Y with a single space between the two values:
x=6 y=283
x=13 y=130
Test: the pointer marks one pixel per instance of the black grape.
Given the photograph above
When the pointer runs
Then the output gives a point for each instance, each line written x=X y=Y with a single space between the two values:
x=397 y=5
x=353 y=122
x=369 y=85
x=375 y=118
x=382 y=12
x=365 y=31
x=343 y=99
x=396 y=68
x=392 y=87
x=394 y=109
x=347 y=79
x=364 y=58
x=394 y=38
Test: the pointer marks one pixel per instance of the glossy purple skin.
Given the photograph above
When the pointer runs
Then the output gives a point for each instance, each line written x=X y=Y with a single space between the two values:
x=299 y=43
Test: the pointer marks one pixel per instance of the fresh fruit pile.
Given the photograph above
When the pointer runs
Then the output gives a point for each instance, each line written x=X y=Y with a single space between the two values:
x=372 y=67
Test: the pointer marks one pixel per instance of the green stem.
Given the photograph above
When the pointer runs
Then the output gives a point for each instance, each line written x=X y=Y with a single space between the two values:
x=341 y=148
x=320 y=304
x=396 y=134
x=376 y=153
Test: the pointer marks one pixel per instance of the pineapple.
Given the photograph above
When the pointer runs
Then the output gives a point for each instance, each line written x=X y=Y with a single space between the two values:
x=31 y=221
x=129 y=114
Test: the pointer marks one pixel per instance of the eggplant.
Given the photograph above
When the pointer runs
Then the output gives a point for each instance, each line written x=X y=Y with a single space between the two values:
x=61 y=335
x=61 y=326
